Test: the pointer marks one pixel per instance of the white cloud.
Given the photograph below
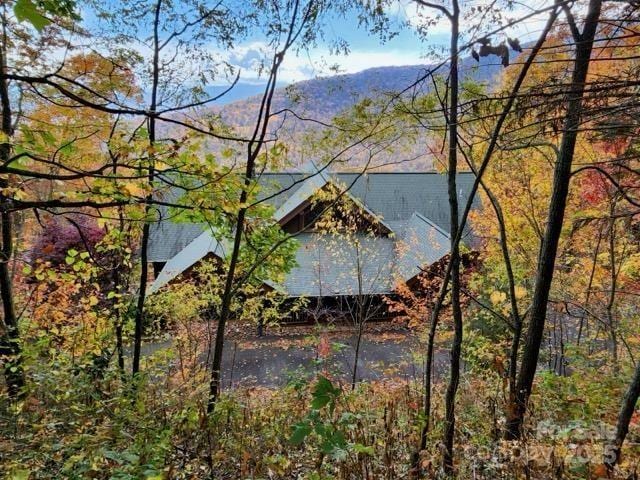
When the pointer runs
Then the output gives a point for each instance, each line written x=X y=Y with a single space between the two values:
x=321 y=62
x=253 y=58
x=359 y=60
x=304 y=65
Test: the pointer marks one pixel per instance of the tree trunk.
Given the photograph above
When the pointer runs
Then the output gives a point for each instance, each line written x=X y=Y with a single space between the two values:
x=611 y=324
x=428 y=369
x=360 y=316
x=142 y=293
x=584 y=316
x=612 y=450
x=225 y=310
x=516 y=319
x=354 y=374
x=10 y=340
x=456 y=347
x=144 y=243
x=260 y=330
x=10 y=348
x=253 y=150
x=548 y=251
x=447 y=276
x=116 y=278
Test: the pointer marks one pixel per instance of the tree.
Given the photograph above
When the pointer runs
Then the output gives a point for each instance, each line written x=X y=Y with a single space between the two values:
x=452 y=14
x=627 y=408
x=9 y=336
x=518 y=181
x=557 y=204
x=351 y=240
x=452 y=274
x=300 y=19
x=199 y=22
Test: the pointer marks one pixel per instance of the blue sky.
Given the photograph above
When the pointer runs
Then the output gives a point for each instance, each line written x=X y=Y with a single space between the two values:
x=367 y=51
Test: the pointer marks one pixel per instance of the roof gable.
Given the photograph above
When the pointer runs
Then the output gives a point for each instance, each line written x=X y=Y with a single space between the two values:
x=413 y=205
x=300 y=197
x=203 y=245
x=303 y=197
x=394 y=196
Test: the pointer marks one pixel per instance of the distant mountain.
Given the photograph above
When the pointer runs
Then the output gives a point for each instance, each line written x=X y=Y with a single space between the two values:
x=323 y=98
x=239 y=92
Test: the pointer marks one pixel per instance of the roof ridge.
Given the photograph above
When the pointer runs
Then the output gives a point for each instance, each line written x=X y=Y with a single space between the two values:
x=308 y=187
x=432 y=223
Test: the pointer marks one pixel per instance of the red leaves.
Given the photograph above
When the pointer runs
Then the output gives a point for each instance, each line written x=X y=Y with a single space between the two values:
x=593 y=187
x=324 y=347
x=58 y=235
x=414 y=299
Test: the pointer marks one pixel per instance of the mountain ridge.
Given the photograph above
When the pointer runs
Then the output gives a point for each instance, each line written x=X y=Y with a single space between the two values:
x=323 y=98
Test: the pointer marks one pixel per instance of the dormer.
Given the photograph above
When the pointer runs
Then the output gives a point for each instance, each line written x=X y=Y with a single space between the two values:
x=320 y=196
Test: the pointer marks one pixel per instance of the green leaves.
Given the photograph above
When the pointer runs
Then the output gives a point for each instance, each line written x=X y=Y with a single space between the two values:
x=363 y=449
x=322 y=423
x=332 y=440
x=35 y=12
x=26 y=10
x=330 y=430
x=324 y=393
x=300 y=432
x=20 y=475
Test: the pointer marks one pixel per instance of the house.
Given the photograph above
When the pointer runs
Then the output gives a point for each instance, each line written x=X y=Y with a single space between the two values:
x=410 y=212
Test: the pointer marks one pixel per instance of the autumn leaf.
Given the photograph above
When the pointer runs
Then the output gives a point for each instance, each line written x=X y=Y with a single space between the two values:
x=133 y=190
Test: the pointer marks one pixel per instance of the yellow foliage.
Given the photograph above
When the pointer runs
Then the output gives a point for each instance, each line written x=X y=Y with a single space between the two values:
x=498 y=297
x=521 y=292
x=132 y=189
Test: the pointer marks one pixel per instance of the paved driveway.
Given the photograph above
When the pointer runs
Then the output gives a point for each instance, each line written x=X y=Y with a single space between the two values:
x=274 y=362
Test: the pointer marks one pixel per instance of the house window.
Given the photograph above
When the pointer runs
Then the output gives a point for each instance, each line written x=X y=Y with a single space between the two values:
x=307 y=216
x=304 y=219
x=157 y=268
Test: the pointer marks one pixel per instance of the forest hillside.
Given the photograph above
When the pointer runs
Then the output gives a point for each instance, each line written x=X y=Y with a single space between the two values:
x=408 y=272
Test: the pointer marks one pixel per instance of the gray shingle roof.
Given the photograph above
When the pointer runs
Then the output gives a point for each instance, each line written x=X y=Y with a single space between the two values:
x=300 y=195
x=393 y=196
x=203 y=245
x=167 y=238
x=330 y=265
x=422 y=243
x=413 y=205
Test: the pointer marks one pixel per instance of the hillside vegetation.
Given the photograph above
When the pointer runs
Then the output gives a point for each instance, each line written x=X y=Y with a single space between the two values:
x=520 y=345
